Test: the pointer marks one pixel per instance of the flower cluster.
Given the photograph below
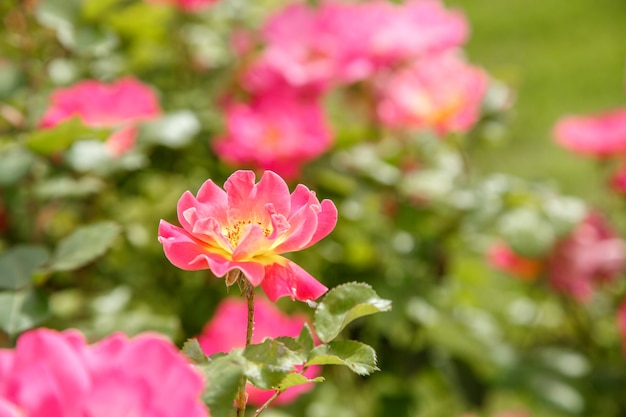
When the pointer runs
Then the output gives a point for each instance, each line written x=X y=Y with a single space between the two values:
x=227 y=331
x=57 y=374
x=406 y=56
x=590 y=255
x=246 y=227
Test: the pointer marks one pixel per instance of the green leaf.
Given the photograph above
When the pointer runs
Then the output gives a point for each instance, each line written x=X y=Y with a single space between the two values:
x=223 y=376
x=60 y=137
x=305 y=338
x=14 y=165
x=357 y=356
x=269 y=362
x=21 y=310
x=344 y=304
x=17 y=265
x=193 y=351
x=293 y=379
x=84 y=245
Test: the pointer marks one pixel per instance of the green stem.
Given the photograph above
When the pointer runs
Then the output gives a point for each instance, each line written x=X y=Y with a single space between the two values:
x=248 y=290
x=267 y=404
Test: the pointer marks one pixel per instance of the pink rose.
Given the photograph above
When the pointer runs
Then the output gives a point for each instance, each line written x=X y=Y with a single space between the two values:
x=227 y=331
x=590 y=255
x=120 y=105
x=598 y=135
x=441 y=93
x=56 y=374
x=276 y=132
x=247 y=227
x=342 y=42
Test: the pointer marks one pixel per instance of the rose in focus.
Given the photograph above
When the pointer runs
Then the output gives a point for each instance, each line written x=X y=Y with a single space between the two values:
x=247 y=226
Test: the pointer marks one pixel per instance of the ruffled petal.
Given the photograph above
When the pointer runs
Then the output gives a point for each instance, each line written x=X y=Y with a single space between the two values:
x=303 y=225
x=181 y=249
x=290 y=280
x=247 y=200
x=253 y=271
x=211 y=202
x=326 y=222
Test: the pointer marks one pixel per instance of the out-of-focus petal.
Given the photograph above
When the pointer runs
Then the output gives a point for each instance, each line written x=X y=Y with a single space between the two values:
x=292 y=281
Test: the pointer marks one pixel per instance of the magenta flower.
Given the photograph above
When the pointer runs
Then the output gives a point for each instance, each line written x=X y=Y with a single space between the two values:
x=227 y=331
x=598 y=135
x=275 y=132
x=590 y=255
x=56 y=374
x=120 y=105
x=248 y=226
x=441 y=93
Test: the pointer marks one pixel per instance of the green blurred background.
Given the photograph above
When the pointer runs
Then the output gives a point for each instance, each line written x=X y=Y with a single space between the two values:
x=560 y=57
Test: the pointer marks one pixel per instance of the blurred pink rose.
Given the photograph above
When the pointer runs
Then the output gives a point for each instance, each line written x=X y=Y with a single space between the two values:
x=276 y=132
x=598 y=135
x=342 y=42
x=120 y=105
x=441 y=92
x=502 y=257
x=416 y=28
x=56 y=374
x=590 y=255
x=247 y=227
x=186 y=5
x=227 y=331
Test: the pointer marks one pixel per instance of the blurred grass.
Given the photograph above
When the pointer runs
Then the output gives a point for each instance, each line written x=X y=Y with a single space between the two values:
x=561 y=57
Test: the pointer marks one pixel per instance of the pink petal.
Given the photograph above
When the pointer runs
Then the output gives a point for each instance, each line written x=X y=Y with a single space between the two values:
x=247 y=200
x=9 y=410
x=303 y=226
x=326 y=222
x=291 y=280
x=211 y=202
x=181 y=249
x=252 y=242
x=122 y=140
x=253 y=271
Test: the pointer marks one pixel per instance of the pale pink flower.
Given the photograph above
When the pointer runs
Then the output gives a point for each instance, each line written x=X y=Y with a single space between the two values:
x=56 y=374
x=342 y=42
x=416 y=28
x=590 y=255
x=227 y=331
x=186 y=5
x=502 y=257
x=120 y=105
x=248 y=226
x=440 y=93
x=597 y=135
x=276 y=132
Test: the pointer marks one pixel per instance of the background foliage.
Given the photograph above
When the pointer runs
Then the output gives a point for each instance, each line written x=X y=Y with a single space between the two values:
x=78 y=243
